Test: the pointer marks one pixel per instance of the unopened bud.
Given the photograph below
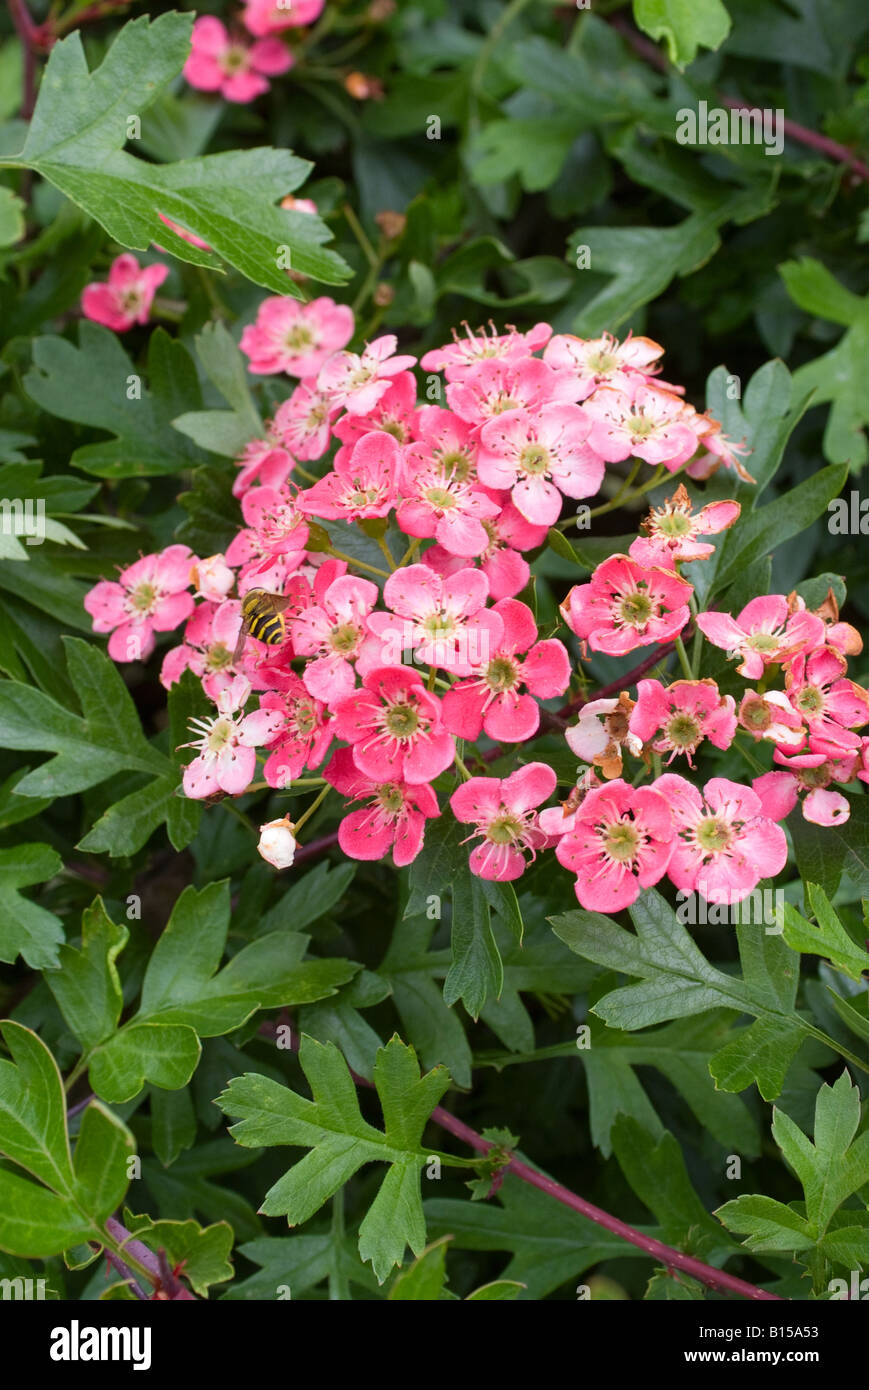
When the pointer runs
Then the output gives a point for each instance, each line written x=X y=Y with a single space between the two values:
x=392 y=224
x=212 y=578
x=277 y=843
x=383 y=295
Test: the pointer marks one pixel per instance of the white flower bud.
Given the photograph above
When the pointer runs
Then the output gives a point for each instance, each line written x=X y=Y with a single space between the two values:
x=213 y=578
x=277 y=843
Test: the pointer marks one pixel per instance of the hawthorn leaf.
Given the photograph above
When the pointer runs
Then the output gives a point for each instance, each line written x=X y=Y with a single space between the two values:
x=686 y=25
x=825 y=937
x=204 y=1251
x=26 y=928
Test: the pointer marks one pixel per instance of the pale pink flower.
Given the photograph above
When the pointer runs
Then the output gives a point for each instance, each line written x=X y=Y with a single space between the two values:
x=395 y=727
x=723 y=843
x=603 y=361
x=764 y=632
x=126 y=298
x=540 y=456
x=277 y=843
x=808 y=775
x=643 y=422
x=304 y=735
x=395 y=412
x=672 y=530
x=238 y=70
x=212 y=578
x=362 y=484
x=334 y=631
x=444 y=621
x=209 y=642
x=503 y=810
x=443 y=507
x=719 y=452
x=455 y=359
x=625 y=606
x=306 y=205
x=683 y=715
x=227 y=744
x=602 y=732
x=151 y=595
x=296 y=338
x=831 y=705
x=620 y=843
x=262 y=461
x=358 y=382
x=493 y=387
x=263 y=17
x=771 y=717
x=394 y=818
x=303 y=424
x=493 y=699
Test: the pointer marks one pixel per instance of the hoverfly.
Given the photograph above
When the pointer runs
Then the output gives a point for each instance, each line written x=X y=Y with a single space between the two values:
x=262 y=615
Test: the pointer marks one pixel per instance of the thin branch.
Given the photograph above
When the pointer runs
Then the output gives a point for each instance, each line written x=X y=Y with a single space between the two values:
x=620 y=683
x=316 y=847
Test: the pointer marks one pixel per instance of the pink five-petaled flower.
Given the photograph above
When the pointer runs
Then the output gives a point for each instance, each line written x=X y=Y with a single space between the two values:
x=491 y=388
x=492 y=699
x=333 y=631
x=603 y=361
x=444 y=621
x=296 y=338
x=151 y=595
x=362 y=484
x=457 y=358
x=395 y=727
x=831 y=705
x=672 y=530
x=394 y=818
x=358 y=382
x=239 y=71
x=394 y=412
x=263 y=17
x=446 y=508
x=304 y=735
x=723 y=843
x=209 y=641
x=304 y=423
x=226 y=760
x=810 y=773
x=507 y=534
x=763 y=633
x=540 y=455
x=126 y=297
x=626 y=605
x=621 y=841
x=644 y=422
x=504 y=813
x=683 y=715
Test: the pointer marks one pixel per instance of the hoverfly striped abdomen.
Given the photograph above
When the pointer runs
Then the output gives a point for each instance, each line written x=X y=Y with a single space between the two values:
x=262 y=615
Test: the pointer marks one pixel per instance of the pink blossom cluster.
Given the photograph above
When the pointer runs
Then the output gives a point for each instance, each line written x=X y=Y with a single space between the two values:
x=238 y=64
x=381 y=685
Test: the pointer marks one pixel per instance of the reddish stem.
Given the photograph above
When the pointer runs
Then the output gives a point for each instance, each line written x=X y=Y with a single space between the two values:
x=620 y=683
x=316 y=847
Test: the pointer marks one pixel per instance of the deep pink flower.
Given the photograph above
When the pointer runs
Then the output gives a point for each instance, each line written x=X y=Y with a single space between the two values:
x=620 y=843
x=723 y=843
x=151 y=595
x=303 y=737
x=643 y=422
x=684 y=714
x=239 y=71
x=503 y=811
x=334 y=631
x=395 y=727
x=492 y=698
x=831 y=705
x=808 y=775
x=296 y=338
x=395 y=412
x=456 y=359
x=507 y=534
x=394 y=818
x=444 y=621
x=362 y=484
x=227 y=741
x=625 y=606
x=540 y=455
x=672 y=530
x=304 y=423
x=358 y=382
x=763 y=633
x=126 y=298
x=263 y=17
x=262 y=461
x=603 y=361
x=435 y=505
x=209 y=642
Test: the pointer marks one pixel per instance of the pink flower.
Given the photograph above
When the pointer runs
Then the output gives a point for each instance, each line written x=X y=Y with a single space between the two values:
x=625 y=606
x=151 y=595
x=507 y=534
x=237 y=70
x=602 y=732
x=304 y=423
x=334 y=631
x=831 y=705
x=493 y=387
x=302 y=739
x=395 y=727
x=644 y=422
x=809 y=775
x=444 y=621
x=394 y=818
x=723 y=843
x=360 y=485
x=764 y=632
x=456 y=359
x=492 y=698
x=672 y=530
x=540 y=456
x=212 y=578
x=262 y=461
x=127 y=296
x=443 y=440
x=296 y=338
x=772 y=717
x=720 y=452
x=446 y=508
x=358 y=382
x=264 y=17
x=226 y=760
x=603 y=361
x=209 y=642
x=555 y=821
x=395 y=412
x=279 y=526
x=685 y=713
x=621 y=842
x=503 y=812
